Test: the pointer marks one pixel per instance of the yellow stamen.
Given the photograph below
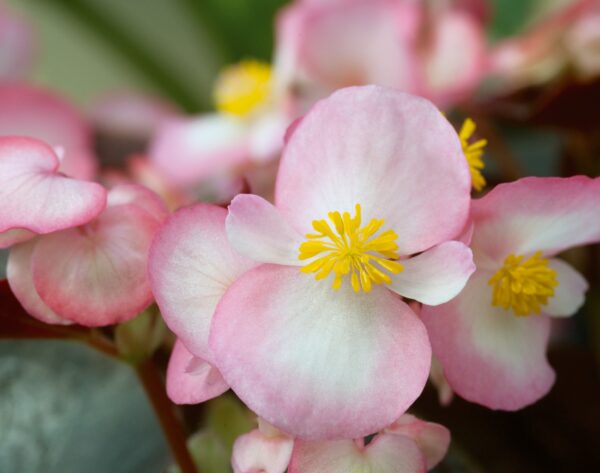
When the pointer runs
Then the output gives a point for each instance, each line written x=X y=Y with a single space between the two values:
x=523 y=285
x=473 y=152
x=351 y=250
x=242 y=88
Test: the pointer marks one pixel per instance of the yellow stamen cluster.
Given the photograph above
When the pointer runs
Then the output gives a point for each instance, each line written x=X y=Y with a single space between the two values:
x=350 y=249
x=523 y=285
x=243 y=87
x=473 y=152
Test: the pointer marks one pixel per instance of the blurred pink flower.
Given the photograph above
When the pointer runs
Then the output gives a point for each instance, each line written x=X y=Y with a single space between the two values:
x=438 y=53
x=289 y=345
x=491 y=340
x=29 y=111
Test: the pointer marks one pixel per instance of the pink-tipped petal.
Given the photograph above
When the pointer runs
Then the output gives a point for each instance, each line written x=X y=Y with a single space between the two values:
x=436 y=275
x=95 y=275
x=569 y=295
x=392 y=153
x=191 y=266
x=37 y=113
x=433 y=439
x=536 y=214
x=141 y=197
x=387 y=453
x=257 y=230
x=35 y=196
x=20 y=280
x=489 y=355
x=315 y=362
x=189 y=150
x=191 y=380
x=256 y=452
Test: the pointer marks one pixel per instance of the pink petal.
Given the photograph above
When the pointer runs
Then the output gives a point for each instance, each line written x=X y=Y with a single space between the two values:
x=28 y=111
x=385 y=454
x=358 y=42
x=569 y=295
x=315 y=362
x=20 y=280
x=432 y=439
x=141 y=197
x=536 y=214
x=191 y=266
x=436 y=275
x=95 y=275
x=256 y=452
x=192 y=386
x=35 y=196
x=456 y=60
x=189 y=150
x=257 y=230
x=393 y=153
x=489 y=355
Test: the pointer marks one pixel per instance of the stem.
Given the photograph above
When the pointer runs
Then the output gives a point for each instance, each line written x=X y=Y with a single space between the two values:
x=155 y=390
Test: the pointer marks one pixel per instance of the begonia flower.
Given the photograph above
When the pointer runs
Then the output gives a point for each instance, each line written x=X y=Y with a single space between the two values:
x=410 y=445
x=28 y=111
x=265 y=449
x=491 y=340
x=93 y=274
x=323 y=46
x=247 y=129
x=36 y=198
x=388 y=171
x=16 y=44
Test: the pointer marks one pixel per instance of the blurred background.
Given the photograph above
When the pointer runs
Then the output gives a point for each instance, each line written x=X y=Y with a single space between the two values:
x=67 y=408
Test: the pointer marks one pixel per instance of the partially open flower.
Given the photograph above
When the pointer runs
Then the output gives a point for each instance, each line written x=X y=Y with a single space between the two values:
x=491 y=340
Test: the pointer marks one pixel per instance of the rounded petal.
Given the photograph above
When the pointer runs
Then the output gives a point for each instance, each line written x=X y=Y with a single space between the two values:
x=257 y=230
x=95 y=275
x=256 y=452
x=436 y=275
x=569 y=295
x=536 y=214
x=35 y=196
x=189 y=150
x=191 y=380
x=433 y=439
x=20 y=280
x=191 y=266
x=392 y=153
x=141 y=197
x=36 y=113
x=385 y=454
x=489 y=355
x=315 y=362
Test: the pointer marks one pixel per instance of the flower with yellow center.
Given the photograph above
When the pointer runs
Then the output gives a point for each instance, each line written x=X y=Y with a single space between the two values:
x=523 y=285
x=473 y=153
x=351 y=249
x=243 y=88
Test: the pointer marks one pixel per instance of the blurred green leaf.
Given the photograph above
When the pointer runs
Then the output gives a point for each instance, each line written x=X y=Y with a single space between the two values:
x=509 y=17
x=229 y=419
x=209 y=453
x=138 y=338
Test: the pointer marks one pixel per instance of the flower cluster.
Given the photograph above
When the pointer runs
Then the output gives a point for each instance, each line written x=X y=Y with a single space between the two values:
x=348 y=251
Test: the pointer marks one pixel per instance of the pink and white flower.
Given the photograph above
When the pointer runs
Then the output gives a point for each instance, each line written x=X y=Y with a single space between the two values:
x=491 y=340
x=410 y=445
x=323 y=46
x=316 y=361
x=92 y=274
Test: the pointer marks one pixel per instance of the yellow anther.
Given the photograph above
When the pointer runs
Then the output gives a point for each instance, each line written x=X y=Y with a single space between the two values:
x=473 y=152
x=348 y=249
x=523 y=285
x=242 y=88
